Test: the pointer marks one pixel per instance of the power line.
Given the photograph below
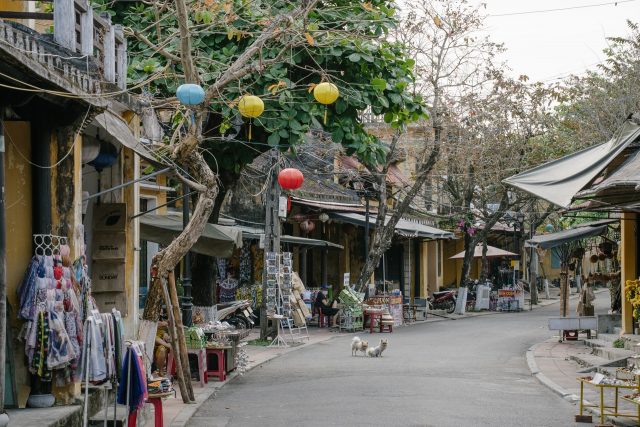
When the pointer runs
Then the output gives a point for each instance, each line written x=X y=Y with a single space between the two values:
x=529 y=12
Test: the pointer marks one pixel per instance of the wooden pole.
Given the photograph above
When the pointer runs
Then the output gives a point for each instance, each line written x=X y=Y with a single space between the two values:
x=174 y=343
x=182 y=344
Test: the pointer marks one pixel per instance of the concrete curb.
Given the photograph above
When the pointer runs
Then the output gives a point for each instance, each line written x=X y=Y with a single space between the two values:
x=561 y=391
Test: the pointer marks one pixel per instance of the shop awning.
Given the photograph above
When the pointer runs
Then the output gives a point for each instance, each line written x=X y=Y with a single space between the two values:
x=251 y=233
x=405 y=228
x=216 y=240
x=492 y=252
x=560 y=180
x=116 y=127
x=551 y=240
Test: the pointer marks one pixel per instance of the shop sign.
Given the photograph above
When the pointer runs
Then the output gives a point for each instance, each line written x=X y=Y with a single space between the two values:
x=109 y=246
x=110 y=217
x=506 y=293
x=109 y=300
x=107 y=276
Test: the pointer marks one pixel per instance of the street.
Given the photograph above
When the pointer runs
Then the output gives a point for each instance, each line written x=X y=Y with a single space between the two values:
x=468 y=372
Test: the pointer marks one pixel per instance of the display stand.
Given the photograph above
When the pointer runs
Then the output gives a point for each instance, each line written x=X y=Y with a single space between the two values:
x=609 y=410
x=278 y=341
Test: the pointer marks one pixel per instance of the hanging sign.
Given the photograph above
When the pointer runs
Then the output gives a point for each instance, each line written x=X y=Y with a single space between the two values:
x=347 y=280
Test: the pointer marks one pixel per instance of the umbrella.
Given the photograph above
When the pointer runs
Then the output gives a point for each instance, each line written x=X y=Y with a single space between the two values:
x=492 y=252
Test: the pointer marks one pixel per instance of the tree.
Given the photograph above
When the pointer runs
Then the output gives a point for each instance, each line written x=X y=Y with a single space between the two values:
x=278 y=51
x=450 y=61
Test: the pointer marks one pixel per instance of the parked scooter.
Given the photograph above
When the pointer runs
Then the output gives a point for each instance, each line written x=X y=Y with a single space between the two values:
x=443 y=300
x=236 y=313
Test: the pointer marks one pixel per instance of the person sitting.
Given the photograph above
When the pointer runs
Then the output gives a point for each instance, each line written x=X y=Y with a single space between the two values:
x=326 y=308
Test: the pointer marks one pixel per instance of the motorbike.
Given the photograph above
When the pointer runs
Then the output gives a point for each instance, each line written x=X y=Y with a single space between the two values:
x=237 y=313
x=443 y=300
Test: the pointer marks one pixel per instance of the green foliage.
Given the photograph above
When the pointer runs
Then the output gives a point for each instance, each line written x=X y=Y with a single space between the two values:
x=618 y=343
x=340 y=41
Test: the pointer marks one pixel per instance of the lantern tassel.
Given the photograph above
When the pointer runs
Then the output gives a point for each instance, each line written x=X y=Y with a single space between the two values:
x=325 y=115
x=250 y=124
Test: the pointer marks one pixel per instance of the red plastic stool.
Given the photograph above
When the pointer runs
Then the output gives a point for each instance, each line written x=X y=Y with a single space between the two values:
x=202 y=364
x=323 y=319
x=156 y=401
x=219 y=371
x=385 y=325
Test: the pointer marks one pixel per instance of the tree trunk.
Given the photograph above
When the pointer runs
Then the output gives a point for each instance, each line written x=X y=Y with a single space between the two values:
x=469 y=249
x=484 y=269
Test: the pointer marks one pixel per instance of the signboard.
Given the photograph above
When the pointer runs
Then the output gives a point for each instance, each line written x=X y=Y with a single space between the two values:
x=107 y=276
x=506 y=293
x=110 y=217
x=109 y=246
x=347 y=280
x=515 y=264
x=108 y=300
x=282 y=206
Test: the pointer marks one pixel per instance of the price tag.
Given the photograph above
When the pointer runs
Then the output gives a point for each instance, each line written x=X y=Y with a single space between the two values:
x=96 y=316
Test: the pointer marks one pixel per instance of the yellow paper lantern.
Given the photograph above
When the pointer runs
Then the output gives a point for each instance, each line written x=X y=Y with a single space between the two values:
x=250 y=106
x=326 y=93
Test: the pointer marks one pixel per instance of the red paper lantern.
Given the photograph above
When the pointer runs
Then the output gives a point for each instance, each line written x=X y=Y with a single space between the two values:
x=290 y=178
x=307 y=226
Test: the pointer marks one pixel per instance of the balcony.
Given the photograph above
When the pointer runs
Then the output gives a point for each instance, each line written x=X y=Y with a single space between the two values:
x=85 y=53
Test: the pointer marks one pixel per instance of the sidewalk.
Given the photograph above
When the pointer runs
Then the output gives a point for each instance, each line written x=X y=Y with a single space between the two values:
x=553 y=364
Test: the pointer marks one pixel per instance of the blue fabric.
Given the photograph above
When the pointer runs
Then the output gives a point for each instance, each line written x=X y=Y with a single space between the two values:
x=27 y=290
x=136 y=382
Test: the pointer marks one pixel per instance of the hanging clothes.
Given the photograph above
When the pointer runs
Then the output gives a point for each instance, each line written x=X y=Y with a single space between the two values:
x=93 y=349
x=132 y=390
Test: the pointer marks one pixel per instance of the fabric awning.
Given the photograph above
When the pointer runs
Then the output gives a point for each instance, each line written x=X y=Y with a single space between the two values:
x=560 y=180
x=492 y=252
x=116 y=127
x=252 y=233
x=551 y=240
x=405 y=228
x=216 y=240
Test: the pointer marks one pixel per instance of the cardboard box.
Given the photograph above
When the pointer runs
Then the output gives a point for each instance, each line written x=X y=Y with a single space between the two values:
x=107 y=276
x=110 y=217
x=108 y=300
x=109 y=245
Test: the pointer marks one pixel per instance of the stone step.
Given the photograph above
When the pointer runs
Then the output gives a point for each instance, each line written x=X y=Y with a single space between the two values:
x=597 y=343
x=98 y=418
x=611 y=353
x=608 y=337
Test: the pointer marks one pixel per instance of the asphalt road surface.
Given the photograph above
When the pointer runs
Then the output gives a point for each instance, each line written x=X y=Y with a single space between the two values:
x=468 y=372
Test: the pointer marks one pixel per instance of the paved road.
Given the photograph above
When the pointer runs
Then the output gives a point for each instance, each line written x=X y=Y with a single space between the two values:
x=468 y=372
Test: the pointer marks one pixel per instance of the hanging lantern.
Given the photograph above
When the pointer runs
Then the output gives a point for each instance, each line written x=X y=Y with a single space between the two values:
x=323 y=217
x=190 y=94
x=326 y=93
x=548 y=228
x=307 y=226
x=250 y=106
x=290 y=178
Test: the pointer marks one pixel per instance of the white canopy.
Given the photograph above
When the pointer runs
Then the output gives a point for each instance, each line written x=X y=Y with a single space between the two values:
x=560 y=180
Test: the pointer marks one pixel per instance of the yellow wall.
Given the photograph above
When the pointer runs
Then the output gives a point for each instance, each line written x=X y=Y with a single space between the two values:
x=628 y=253
x=19 y=231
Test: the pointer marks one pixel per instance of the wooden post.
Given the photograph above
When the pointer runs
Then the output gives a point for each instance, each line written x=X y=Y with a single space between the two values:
x=64 y=23
x=177 y=360
x=182 y=345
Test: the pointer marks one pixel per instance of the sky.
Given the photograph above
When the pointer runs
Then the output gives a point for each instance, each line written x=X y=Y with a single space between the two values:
x=547 y=46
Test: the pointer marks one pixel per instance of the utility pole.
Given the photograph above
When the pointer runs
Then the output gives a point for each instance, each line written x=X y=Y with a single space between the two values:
x=533 y=267
x=271 y=233
x=4 y=419
x=187 y=314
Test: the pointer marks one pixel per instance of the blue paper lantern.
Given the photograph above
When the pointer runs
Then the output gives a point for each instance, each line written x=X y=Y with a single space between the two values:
x=190 y=94
x=106 y=158
x=548 y=228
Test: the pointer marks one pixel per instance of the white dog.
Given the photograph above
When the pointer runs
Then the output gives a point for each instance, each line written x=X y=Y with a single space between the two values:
x=358 y=344
x=377 y=351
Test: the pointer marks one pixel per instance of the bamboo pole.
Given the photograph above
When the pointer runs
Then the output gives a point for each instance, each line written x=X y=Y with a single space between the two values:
x=182 y=344
x=174 y=343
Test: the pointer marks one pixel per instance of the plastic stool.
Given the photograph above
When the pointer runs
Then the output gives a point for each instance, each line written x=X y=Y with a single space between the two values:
x=386 y=325
x=156 y=401
x=220 y=371
x=202 y=364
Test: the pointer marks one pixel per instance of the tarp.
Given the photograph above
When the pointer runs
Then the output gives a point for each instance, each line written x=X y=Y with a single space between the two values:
x=551 y=240
x=404 y=227
x=118 y=129
x=252 y=233
x=216 y=240
x=492 y=252
x=560 y=180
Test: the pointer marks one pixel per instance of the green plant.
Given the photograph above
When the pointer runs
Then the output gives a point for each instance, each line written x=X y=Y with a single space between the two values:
x=619 y=343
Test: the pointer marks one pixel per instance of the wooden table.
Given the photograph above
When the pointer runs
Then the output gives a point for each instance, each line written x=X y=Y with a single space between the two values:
x=373 y=316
